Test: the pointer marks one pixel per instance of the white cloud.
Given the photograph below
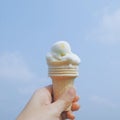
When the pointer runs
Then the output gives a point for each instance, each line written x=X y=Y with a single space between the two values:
x=108 y=28
x=13 y=67
x=102 y=101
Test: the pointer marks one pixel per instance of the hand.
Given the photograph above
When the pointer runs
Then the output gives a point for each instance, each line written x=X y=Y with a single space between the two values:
x=42 y=107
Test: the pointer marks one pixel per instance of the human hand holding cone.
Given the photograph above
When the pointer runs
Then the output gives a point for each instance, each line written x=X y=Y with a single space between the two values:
x=62 y=68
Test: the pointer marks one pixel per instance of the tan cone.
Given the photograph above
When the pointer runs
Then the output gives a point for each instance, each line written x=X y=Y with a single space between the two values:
x=62 y=79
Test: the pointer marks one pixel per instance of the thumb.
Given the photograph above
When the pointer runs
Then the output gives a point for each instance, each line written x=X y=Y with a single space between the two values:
x=65 y=100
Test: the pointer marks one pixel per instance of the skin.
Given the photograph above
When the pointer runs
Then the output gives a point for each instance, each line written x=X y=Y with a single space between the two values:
x=42 y=107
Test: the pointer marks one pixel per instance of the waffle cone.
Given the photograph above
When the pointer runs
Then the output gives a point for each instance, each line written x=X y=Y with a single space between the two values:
x=63 y=71
x=62 y=78
x=60 y=85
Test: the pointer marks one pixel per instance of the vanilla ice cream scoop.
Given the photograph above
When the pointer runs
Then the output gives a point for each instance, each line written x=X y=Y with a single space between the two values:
x=61 y=54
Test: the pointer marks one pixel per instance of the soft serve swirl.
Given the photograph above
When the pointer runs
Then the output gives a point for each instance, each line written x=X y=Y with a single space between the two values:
x=60 y=53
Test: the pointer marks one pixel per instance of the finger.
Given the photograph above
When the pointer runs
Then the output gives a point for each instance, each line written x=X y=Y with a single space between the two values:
x=64 y=115
x=70 y=115
x=43 y=95
x=49 y=88
x=45 y=90
x=65 y=100
x=75 y=106
x=76 y=98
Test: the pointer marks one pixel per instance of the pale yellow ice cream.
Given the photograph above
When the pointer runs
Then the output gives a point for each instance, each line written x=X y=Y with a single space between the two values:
x=61 y=55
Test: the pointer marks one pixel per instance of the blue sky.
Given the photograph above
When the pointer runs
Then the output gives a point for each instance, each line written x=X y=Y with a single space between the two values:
x=28 y=29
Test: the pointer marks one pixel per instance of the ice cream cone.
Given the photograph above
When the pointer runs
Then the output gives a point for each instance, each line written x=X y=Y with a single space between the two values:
x=62 y=68
x=62 y=79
